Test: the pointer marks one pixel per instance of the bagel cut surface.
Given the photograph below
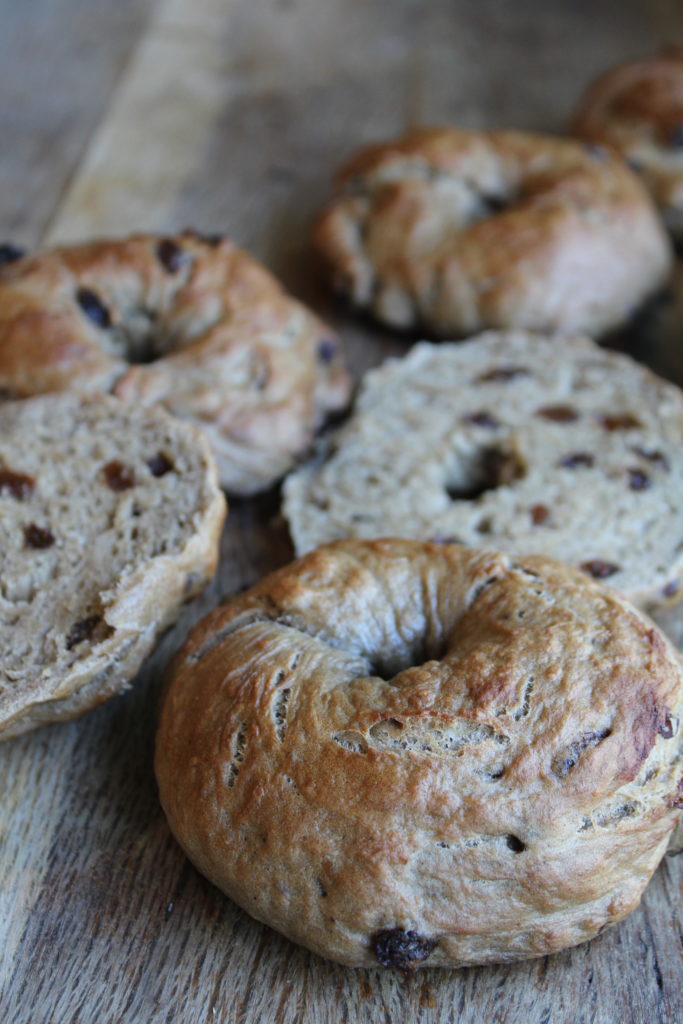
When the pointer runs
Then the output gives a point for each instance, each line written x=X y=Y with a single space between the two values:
x=569 y=450
x=189 y=322
x=455 y=231
x=408 y=754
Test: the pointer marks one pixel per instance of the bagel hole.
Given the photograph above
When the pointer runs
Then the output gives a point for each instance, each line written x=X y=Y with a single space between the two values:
x=137 y=337
x=485 y=470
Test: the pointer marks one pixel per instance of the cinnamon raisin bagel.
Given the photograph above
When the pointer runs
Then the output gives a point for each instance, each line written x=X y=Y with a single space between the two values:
x=188 y=322
x=637 y=109
x=408 y=754
x=455 y=231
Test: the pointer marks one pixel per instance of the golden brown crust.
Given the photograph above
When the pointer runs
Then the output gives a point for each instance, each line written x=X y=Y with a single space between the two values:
x=637 y=109
x=459 y=230
x=399 y=752
x=191 y=323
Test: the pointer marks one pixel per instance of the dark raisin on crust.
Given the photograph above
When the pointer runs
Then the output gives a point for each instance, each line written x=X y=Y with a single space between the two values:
x=575 y=459
x=563 y=762
x=620 y=421
x=93 y=307
x=171 y=255
x=598 y=569
x=482 y=419
x=503 y=373
x=595 y=151
x=669 y=727
x=558 y=413
x=10 y=253
x=81 y=630
x=539 y=514
x=17 y=485
x=652 y=455
x=638 y=480
x=38 y=536
x=515 y=844
x=327 y=350
x=160 y=464
x=404 y=950
x=117 y=476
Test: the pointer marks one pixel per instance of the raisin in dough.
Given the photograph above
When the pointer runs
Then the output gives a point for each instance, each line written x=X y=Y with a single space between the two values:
x=185 y=321
x=411 y=754
x=110 y=518
x=454 y=231
x=569 y=451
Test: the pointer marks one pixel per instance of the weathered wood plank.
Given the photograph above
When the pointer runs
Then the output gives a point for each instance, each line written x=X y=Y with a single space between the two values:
x=59 y=61
x=232 y=116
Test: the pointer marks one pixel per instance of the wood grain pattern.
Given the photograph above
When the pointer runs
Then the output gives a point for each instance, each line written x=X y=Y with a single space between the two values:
x=231 y=116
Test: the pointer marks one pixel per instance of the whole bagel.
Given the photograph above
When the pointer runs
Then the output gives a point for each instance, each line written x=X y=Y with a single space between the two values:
x=455 y=231
x=400 y=753
x=186 y=321
x=637 y=109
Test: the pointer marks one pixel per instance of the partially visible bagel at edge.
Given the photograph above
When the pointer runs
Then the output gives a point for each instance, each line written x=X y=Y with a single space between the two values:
x=186 y=321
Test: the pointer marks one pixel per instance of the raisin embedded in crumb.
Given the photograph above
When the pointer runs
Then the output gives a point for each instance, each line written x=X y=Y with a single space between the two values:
x=440 y=538
x=38 y=536
x=515 y=844
x=558 y=413
x=482 y=419
x=327 y=350
x=598 y=569
x=595 y=151
x=503 y=373
x=654 y=456
x=669 y=727
x=576 y=459
x=118 y=477
x=10 y=253
x=638 y=481
x=677 y=800
x=171 y=255
x=671 y=588
x=675 y=139
x=405 y=950
x=81 y=630
x=160 y=464
x=539 y=514
x=17 y=485
x=93 y=307
x=620 y=421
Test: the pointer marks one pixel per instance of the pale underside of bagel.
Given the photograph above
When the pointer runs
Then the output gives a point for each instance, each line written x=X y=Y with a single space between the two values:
x=455 y=231
x=109 y=522
x=420 y=754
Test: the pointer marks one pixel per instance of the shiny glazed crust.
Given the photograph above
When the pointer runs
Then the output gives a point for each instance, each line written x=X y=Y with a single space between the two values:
x=189 y=322
x=637 y=109
x=406 y=753
x=455 y=231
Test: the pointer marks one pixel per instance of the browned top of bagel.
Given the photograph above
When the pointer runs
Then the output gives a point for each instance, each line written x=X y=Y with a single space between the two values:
x=637 y=108
x=190 y=322
x=461 y=230
x=408 y=753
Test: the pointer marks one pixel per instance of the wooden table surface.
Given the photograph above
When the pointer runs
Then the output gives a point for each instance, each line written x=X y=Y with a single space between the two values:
x=231 y=115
